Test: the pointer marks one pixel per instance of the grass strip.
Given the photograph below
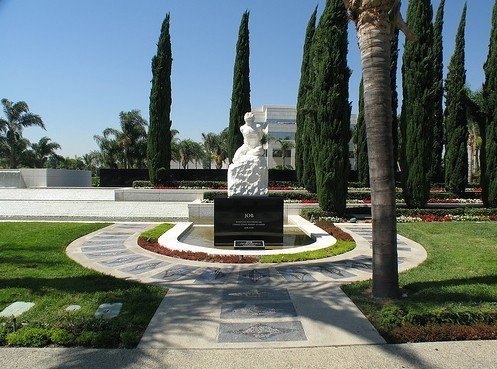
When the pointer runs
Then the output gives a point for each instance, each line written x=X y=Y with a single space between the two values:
x=455 y=289
x=340 y=247
x=152 y=235
x=34 y=268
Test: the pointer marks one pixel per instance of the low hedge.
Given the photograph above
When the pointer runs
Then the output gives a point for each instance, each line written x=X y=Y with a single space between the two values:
x=449 y=211
x=442 y=332
x=179 y=184
x=395 y=316
x=286 y=195
x=211 y=184
x=142 y=184
x=314 y=214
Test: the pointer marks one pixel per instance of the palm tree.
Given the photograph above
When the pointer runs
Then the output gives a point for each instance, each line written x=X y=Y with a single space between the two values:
x=211 y=142
x=92 y=161
x=215 y=146
x=131 y=138
x=185 y=152
x=175 y=155
x=18 y=117
x=43 y=150
x=190 y=150
x=375 y=22
x=286 y=145
x=474 y=107
x=110 y=151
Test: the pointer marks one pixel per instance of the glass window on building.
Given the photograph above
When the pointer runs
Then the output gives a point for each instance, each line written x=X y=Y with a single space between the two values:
x=283 y=135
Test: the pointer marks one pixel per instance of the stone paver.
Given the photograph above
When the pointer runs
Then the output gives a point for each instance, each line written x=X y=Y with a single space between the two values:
x=324 y=329
x=212 y=305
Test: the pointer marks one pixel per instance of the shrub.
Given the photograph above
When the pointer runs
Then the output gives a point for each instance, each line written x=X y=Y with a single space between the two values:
x=161 y=175
x=95 y=181
x=130 y=339
x=29 y=337
x=392 y=316
x=86 y=339
x=3 y=335
x=449 y=316
x=141 y=184
x=444 y=332
x=62 y=337
x=444 y=212
x=106 y=339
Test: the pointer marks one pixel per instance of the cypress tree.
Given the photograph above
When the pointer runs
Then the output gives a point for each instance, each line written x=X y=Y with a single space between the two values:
x=302 y=150
x=240 y=98
x=417 y=111
x=456 y=121
x=394 y=57
x=362 y=145
x=438 y=125
x=309 y=168
x=159 y=132
x=488 y=158
x=331 y=130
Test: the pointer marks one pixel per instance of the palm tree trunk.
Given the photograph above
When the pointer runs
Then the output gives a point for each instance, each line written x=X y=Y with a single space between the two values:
x=374 y=44
x=12 y=154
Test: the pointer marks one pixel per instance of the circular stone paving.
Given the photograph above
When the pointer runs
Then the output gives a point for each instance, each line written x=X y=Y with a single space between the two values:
x=114 y=250
x=221 y=306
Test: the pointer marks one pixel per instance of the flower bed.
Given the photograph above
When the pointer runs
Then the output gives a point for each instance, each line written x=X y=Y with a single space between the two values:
x=211 y=185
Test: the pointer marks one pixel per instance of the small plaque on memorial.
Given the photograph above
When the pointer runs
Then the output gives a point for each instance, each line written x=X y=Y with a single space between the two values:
x=249 y=245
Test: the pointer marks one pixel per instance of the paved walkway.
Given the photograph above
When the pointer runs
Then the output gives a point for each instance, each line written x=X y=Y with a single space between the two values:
x=438 y=355
x=229 y=316
x=214 y=306
x=83 y=204
x=97 y=211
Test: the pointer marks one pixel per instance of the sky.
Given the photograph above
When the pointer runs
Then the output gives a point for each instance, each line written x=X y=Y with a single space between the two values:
x=79 y=63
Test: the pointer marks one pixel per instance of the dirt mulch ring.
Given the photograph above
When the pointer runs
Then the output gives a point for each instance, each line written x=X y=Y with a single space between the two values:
x=333 y=230
x=195 y=256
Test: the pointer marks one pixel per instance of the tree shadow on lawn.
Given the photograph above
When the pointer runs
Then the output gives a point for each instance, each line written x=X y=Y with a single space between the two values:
x=77 y=284
x=446 y=290
x=29 y=262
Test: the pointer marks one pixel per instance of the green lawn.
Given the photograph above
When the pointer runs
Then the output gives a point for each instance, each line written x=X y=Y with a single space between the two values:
x=152 y=235
x=340 y=247
x=35 y=268
x=456 y=286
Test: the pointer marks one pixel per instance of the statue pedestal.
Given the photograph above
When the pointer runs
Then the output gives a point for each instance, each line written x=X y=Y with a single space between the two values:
x=248 y=177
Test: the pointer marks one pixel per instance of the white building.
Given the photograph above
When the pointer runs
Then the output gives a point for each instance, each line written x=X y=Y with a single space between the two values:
x=281 y=124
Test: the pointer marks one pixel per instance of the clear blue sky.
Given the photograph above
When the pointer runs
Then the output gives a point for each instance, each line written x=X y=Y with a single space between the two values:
x=79 y=63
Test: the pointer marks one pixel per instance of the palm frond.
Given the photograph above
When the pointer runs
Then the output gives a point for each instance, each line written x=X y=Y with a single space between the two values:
x=30 y=119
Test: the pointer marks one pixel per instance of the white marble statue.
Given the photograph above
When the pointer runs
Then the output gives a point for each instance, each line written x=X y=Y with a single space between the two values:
x=248 y=174
x=252 y=140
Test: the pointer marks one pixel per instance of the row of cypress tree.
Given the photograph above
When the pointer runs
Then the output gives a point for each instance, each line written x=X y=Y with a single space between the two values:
x=323 y=110
x=424 y=127
x=323 y=121
x=488 y=128
x=159 y=133
x=159 y=130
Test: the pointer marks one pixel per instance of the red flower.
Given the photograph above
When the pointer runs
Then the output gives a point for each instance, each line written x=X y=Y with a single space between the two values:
x=309 y=201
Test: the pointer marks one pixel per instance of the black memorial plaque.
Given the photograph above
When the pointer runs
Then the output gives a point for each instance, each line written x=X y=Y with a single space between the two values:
x=249 y=244
x=248 y=218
